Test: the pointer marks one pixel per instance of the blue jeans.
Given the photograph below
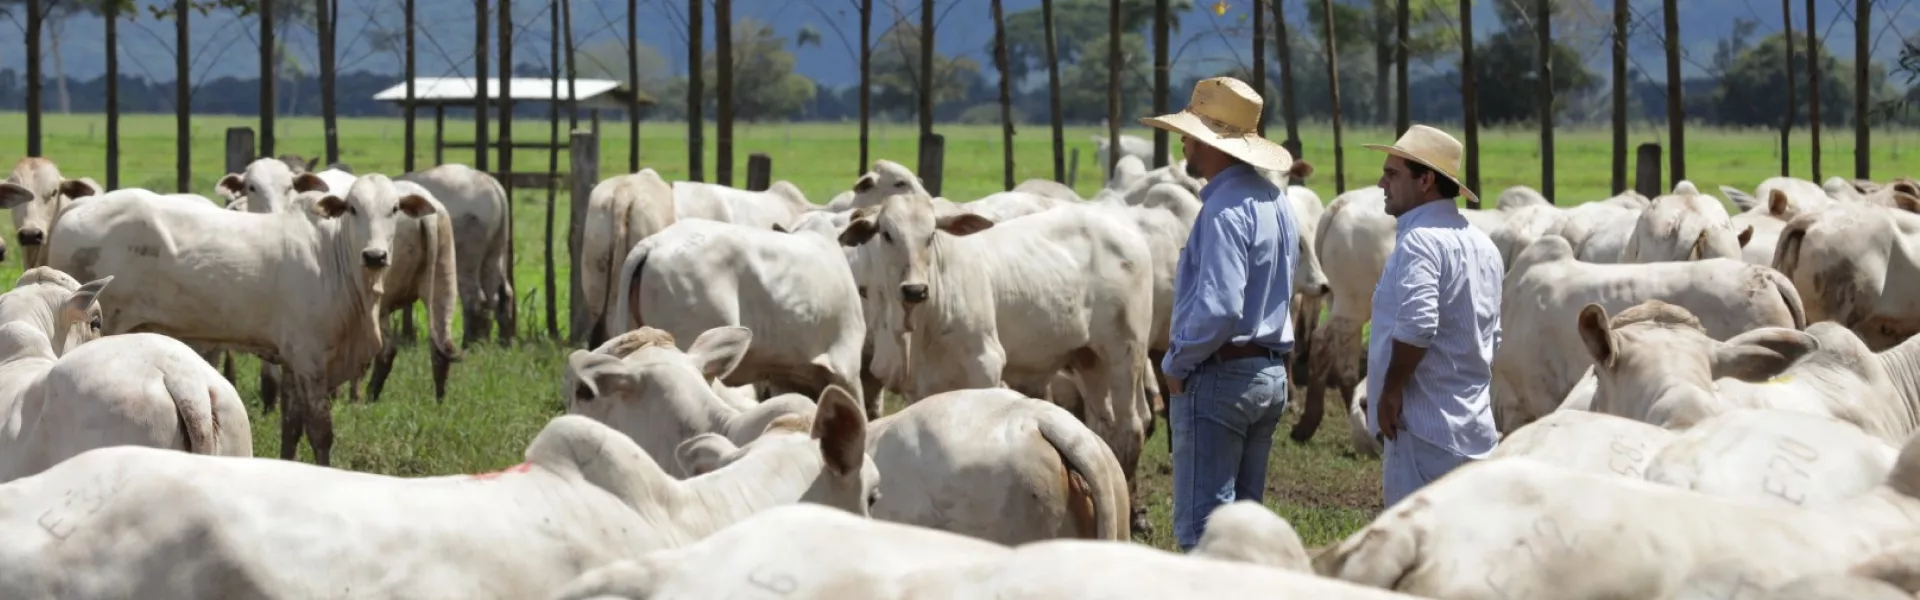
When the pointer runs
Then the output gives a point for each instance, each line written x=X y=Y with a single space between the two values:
x=1223 y=422
x=1409 y=463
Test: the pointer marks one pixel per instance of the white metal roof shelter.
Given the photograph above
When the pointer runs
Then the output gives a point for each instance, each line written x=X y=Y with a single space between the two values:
x=593 y=95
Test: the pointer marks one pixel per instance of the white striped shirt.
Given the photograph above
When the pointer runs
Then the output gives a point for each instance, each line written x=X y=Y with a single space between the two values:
x=1440 y=290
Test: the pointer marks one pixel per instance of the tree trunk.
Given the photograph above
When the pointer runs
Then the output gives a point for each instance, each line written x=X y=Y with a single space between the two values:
x=1113 y=84
x=182 y=101
x=1382 y=60
x=553 y=166
x=1053 y=93
x=1402 y=114
x=1620 y=14
x=270 y=69
x=1333 y=85
x=1786 y=121
x=1006 y=95
x=1543 y=16
x=1814 y=45
x=926 y=70
x=1862 y=56
x=60 y=69
x=866 y=79
x=1161 y=154
x=412 y=70
x=329 y=101
x=573 y=72
x=723 y=90
x=1676 y=111
x=113 y=98
x=1470 y=99
x=1259 y=66
x=35 y=80
x=1284 y=47
x=633 y=79
x=480 y=128
x=506 y=105
x=696 y=92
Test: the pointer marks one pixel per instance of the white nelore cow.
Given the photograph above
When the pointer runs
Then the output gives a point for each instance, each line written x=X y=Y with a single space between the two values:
x=780 y=204
x=1541 y=355
x=1048 y=188
x=1541 y=531
x=267 y=185
x=35 y=192
x=1352 y=241
x=1130 y=145
x=476 y=204
x=644 y=386
x=137 y=389
x=621 y=211
x=795 y=291
x=421 y=270
x=57 y=305
x=983 y=310
x=299 y=287
x=1684 y=225
x=1775 y=456
x=1587 y=442
x=1669 y=370
x=585 y=496
x=1086 y=570
x=1854 y=264
x=1776 y=201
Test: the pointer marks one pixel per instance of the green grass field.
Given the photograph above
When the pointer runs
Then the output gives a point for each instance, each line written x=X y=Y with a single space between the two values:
x=500 y=397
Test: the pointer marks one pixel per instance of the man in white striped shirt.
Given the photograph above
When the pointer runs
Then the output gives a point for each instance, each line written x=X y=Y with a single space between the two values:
x=1436 y=321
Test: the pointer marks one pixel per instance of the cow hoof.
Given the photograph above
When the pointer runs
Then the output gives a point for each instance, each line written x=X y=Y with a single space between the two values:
x=1142 y=528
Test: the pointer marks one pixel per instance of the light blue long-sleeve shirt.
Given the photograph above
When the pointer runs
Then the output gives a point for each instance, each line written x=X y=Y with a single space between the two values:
x=1234 y=283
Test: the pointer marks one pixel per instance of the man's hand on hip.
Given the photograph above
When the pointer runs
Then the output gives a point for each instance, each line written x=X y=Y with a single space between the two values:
x=1389 y=413
x=1175 y=386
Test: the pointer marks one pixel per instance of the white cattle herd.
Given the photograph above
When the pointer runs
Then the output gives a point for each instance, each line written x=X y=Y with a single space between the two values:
x=1751 y=380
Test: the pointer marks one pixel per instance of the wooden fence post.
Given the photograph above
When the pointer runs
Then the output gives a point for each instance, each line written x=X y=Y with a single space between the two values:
x=1073 y=168
x=1646 y=173
x=759 y=171
x=239 y=148
x=585 y=155
x=933 y=153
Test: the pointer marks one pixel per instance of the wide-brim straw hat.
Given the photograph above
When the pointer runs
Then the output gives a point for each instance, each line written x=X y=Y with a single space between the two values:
x=1225 y=113
x=1433 y=148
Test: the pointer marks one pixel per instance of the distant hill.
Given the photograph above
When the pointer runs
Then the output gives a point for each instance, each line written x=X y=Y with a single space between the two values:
x=223 y=44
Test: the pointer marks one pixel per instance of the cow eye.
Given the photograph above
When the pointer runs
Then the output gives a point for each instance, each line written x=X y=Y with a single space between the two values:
x=886 y=235
x=900 y=184
x=873 y=498
x=94 y=324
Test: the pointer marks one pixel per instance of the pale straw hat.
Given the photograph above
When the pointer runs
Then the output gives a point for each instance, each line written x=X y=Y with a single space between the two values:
x=1432 y=148
x=1225 y=113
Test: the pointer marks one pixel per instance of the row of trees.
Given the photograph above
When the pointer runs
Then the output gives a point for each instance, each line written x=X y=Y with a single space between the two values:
x=1098 y=54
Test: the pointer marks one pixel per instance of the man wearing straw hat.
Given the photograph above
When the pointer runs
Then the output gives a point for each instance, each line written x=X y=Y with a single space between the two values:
x=1436 y=320
x=1226 y=367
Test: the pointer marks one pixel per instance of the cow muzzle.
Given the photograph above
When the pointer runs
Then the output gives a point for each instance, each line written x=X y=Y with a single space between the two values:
x=913 y=293
x=374 y=259
x=32 y=236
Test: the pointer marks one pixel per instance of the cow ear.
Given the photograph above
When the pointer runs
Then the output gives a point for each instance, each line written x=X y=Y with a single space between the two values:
x=860 y=227
x=1906 y=202
x=308 y=182
x=1778 y=204
x=592 y=376
x=1597 y=334
x=865 y=183
x=717 y=352
x=702 y=454
x=1699 y=246
x=841 y=426
x=1761 y=354
x=77 y=188
x=233 y=185
x=416 y=206
x=963 y=224
x=1745 y=236
x=79 y=308
x=331 y=207
x=13 y=195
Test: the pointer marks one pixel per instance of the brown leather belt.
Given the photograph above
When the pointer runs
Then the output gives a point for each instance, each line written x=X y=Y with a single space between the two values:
x=1233 y=352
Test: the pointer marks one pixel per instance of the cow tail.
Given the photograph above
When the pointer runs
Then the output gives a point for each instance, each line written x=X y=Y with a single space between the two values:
x=1791 y=296
x=1096 y=495
x=625 y=315
x=193 y=401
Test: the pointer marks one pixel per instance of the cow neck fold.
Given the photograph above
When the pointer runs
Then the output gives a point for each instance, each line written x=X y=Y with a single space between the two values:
x=1902 y=365
x=355 y=330
x=953 y=286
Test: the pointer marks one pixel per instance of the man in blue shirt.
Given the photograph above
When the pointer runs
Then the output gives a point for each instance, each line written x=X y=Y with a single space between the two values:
x=1226 y=369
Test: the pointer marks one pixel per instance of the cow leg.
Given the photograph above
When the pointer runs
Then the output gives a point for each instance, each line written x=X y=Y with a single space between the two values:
x=476 y=321
x=226 y=366
x=269 y=386
x=1110 y=393
x=409 y=331
x=382 y=367
x=317 y=420
x=508 y=318
x=291 y=425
